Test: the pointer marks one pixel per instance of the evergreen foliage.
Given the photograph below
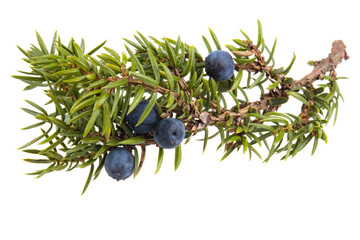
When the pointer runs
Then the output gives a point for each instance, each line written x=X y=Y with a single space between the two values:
x=91 y=96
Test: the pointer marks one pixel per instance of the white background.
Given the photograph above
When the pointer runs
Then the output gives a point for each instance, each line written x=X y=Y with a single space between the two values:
x=302 y=198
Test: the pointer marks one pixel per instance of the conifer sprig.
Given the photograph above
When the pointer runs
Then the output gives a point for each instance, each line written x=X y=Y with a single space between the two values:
x=91 y=95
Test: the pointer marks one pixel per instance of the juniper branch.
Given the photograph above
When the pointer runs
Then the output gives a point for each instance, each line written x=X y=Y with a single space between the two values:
x=92 y=97
x=338 y=53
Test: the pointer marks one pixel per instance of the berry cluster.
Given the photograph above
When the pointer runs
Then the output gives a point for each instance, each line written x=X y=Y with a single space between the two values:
x=169 y=132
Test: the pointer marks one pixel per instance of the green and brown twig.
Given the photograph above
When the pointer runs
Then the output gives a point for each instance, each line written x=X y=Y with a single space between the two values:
x=91 y=96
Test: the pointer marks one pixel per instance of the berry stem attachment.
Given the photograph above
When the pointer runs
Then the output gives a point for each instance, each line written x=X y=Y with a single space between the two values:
x=142 y=159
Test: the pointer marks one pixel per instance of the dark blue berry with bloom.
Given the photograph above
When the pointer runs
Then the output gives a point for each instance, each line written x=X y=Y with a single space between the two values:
x=148 y=124
x=120 y=163
x=219 y=65
x=169 y=133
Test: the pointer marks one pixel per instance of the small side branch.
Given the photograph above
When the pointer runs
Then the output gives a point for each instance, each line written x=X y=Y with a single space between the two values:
x=338 y=53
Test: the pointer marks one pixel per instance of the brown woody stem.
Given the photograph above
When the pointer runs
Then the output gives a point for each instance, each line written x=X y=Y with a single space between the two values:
x=200 y=120
x=338 y=52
